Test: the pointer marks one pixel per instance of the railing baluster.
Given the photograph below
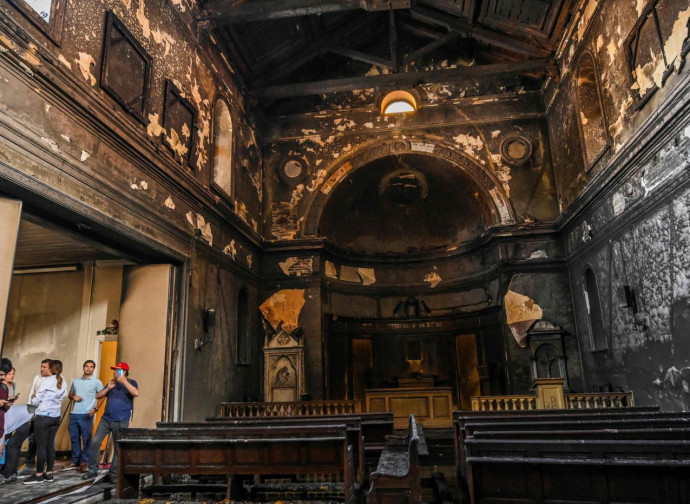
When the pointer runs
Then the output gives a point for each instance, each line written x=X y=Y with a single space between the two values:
x=572 y=401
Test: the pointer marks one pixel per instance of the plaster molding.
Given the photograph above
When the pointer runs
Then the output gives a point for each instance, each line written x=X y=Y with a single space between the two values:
x=338 y=171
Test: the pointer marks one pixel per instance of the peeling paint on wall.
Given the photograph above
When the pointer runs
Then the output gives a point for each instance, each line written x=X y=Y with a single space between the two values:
x=51 y=143
x=139 y=185
x=470 y=144
x=650 y=75
x=674 y=388
x=154 y=129
x=64 y=61
x=297 y=194
x=679 y=34
x=294 y=266
x=318 y=180
x=230 y=250
x=169 y=203
x=433 y=279
x=330 y=270
x=85 y=62
x=284 y=221
x=336 y=177
x=521 y=313
x=618 y=203
x=367 y=275
x=282 y=309
x=176 y=144
x=349 y=274
x=617 y=127
x=243 y=213
x=612 y=50
x=198 y=222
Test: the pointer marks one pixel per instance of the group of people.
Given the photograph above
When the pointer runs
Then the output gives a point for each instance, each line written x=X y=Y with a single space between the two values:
x=41 y=417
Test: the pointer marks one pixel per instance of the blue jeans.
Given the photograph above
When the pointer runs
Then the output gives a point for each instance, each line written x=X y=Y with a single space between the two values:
x=80 y=433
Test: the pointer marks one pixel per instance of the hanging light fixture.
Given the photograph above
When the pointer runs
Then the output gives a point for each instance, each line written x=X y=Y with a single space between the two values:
x=398 y=102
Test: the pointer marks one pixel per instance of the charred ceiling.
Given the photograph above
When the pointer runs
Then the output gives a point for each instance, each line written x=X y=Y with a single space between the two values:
x=295 y=55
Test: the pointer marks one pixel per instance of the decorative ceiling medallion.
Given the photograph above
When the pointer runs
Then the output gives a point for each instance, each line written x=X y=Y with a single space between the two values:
x=516 y=150
x=292 y=170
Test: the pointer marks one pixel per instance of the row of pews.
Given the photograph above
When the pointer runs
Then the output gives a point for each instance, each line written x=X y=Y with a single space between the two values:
x=628 y=455
x=624 y=455
x=318 y=457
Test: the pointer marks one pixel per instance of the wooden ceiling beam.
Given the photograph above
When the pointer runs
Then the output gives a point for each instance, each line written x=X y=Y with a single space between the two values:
x=364 y=57
x=338 y=38
x=419 y=31
x=406 y=79
x=393 y=39
x=240 y=11
x=430 y=47
x=490 y=37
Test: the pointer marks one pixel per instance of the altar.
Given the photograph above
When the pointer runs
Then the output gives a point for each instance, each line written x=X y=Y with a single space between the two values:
x=431 y=406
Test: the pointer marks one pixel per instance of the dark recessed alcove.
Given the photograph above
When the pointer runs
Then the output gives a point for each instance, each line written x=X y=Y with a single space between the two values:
x=402 y=204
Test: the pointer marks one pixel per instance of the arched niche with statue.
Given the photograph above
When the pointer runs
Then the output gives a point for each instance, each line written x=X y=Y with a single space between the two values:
x=284 y=366
x=546 y=343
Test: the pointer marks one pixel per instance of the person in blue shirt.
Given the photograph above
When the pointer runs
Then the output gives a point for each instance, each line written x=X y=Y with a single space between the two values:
x=120 y=391
x=83 y=393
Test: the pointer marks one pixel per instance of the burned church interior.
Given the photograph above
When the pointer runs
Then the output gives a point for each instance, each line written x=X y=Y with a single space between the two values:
x=357 y=251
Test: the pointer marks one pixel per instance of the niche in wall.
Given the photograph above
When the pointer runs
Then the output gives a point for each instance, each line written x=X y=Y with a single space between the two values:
x=222 y=149
x=591 y=115
x=596 y=320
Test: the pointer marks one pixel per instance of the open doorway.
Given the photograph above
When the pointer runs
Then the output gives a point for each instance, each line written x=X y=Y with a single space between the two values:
x=73 y=299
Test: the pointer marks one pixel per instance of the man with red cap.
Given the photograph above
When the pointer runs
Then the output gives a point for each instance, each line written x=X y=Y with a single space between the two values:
x=120 y=391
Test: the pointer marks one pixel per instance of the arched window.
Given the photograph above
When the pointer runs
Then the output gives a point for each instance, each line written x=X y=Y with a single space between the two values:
x=222 y=148
x=591 y=116
x=243 y=333
x=596 y=318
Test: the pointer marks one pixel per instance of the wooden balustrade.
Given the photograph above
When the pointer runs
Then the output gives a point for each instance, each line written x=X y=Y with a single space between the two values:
x=603 y=400
x=504 y=403
x=572 y=401
x=281 y=409
x=550 y=395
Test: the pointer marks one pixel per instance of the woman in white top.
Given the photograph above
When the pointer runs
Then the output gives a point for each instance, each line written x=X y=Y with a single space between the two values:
x=48 y=398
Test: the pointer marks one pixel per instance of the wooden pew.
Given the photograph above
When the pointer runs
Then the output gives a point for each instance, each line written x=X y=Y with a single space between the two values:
x=397 y=476
x=587 y=456
x=663 y=433
x=242 y=450
x=572 y=469
x=462 y=418
x=599 y=425
x=375 y=427
x=352 y=422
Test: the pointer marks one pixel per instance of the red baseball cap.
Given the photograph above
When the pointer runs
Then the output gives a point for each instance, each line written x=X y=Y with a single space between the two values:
x=121 y=365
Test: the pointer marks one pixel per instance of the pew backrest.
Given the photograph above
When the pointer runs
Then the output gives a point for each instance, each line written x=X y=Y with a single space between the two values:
x=258 y=450
x=397 y=476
